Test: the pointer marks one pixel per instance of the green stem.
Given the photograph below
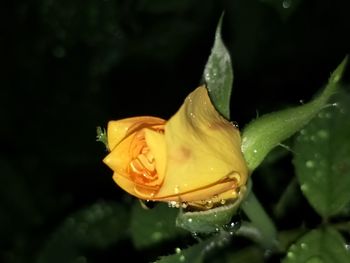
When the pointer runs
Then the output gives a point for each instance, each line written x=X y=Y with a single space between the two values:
x=261 y=220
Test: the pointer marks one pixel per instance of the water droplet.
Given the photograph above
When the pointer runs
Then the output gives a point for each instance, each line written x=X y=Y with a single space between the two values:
x=286 y=3
x=301 y=101
x=347 y=247
x=255 y=151
x=328 y=115
x=290 y=255
x=323 y=134
x=190 y=220
x=192 y=115
x=234 y=123
x=177 y=250
x=310 y=164
x=184 y=205
x=303 y=245
x=194 y=235
x=231 y=227
x=156 y=236
x=209 y=204
x=182 y=258
x=176 y=189
x=173 y=204
x=304 y=187
x=222 y=201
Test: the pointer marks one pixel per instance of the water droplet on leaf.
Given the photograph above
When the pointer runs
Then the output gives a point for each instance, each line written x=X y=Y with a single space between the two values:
x=303 y=245
x=290 y=255
x=310 y=164
x=304 y=187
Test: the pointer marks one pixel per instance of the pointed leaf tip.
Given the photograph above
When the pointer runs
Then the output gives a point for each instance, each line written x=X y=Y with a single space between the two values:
x=218 y=74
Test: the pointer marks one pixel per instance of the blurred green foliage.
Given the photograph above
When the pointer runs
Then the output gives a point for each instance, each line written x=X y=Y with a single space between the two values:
x=69 y=66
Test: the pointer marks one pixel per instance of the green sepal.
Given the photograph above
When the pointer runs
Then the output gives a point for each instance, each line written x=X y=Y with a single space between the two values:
x=266 y=132
x=212 y=220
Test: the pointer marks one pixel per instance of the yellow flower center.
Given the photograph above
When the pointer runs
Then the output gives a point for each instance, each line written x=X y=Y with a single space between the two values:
x=142 y=167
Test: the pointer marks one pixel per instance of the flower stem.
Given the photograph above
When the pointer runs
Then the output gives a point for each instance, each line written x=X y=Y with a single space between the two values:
x=261 y=220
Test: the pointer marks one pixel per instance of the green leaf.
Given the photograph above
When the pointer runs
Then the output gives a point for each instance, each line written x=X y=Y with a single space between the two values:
x=322 y=161
x=319 y=246
x=152 y=226
x=95 y=227
x=218 y=74
x=212 y=220
x=263 y=134
x=196 y=253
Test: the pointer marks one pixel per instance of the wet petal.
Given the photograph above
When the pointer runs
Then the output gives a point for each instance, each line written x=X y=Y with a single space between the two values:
x=202 y=148
x=117 y=130
x=156 y=143
x=119 y=158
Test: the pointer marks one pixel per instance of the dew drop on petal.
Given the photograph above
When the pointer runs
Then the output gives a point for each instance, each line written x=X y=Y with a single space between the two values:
x=209 y=204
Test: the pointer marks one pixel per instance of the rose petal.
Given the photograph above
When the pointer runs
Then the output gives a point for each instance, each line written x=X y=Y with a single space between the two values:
x=117 y=130
x=119 y=158
x=156 y=143
x=125 y=184
x=202 y=148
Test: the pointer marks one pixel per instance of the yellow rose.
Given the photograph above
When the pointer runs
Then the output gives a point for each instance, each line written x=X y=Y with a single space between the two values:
x=195 y=157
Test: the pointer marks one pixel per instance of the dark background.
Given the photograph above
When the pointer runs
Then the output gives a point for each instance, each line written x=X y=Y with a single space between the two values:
x=70 y=66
